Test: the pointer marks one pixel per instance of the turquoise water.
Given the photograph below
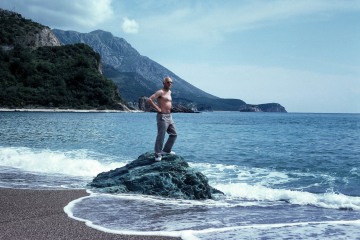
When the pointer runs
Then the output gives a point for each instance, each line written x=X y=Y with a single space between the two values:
x=287 y=176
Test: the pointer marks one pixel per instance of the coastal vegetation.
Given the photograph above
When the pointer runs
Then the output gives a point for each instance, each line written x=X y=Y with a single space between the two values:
x=62 y=77
x=14 y=27
x=35 y=71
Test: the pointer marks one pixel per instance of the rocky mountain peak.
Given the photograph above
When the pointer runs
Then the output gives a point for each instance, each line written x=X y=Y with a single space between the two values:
x=103 y=34
x=112 y=49
x=123 y=58
x=136 y=75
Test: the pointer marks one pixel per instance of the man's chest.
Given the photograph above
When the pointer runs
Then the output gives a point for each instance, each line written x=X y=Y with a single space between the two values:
x=166 y=97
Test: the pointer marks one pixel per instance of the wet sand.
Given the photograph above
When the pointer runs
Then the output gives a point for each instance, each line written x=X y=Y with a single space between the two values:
x=39 y=215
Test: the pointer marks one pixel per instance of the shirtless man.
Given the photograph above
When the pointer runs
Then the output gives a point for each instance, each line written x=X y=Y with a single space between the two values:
x=164 y=119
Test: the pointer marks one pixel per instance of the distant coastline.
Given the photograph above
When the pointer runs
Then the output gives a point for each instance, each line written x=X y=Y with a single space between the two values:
x=63 y=110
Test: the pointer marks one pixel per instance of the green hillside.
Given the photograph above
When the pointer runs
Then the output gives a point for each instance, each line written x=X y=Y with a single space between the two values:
x=13 y=27
x=62 y=77
x=52 y=77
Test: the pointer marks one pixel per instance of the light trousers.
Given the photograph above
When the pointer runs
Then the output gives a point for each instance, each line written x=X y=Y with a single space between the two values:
x=165 y=124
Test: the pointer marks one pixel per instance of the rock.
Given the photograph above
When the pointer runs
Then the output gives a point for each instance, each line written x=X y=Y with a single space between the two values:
x=122 y=107
x=144 y=105
x=172 y=177
x=266 y=107
x=41 y=38
x=250 y=108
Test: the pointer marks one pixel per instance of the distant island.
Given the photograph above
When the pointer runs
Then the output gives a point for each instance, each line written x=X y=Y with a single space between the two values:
x=44 y=68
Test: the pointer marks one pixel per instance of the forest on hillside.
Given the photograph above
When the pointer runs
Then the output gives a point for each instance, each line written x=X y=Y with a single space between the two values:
x=62 y=77
x=13 y=26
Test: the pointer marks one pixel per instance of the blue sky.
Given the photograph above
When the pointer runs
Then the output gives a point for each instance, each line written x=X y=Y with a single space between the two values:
x=302 y=54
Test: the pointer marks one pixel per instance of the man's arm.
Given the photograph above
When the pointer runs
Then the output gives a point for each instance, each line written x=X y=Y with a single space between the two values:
x=152 y=99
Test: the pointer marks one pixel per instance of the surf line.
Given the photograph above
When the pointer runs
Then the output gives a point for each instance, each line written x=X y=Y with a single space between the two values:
x=189 y=234
x=68 y=210
x=276 y=225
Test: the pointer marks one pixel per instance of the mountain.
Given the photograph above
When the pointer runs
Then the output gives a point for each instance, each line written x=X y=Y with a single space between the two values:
x=35 y=71
x=138 y=75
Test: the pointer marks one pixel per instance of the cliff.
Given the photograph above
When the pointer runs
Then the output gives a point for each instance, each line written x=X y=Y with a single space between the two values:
x=45 y=37
x=16 y=30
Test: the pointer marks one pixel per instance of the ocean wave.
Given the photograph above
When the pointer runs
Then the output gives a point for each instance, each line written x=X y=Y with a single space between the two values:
x=233 y=173
x=260 y=193
x=74 y=163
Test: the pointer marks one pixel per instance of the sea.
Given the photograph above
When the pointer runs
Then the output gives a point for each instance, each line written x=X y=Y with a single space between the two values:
x=284 y=175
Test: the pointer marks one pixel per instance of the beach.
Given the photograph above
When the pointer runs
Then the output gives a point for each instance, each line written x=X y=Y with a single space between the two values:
x=39 y=214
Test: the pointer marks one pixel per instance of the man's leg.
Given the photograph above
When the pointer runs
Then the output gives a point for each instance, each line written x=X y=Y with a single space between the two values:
x=161 y=130
x=172 y=137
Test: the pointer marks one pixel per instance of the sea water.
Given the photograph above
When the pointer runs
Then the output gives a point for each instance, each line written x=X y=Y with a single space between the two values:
x=285 y=176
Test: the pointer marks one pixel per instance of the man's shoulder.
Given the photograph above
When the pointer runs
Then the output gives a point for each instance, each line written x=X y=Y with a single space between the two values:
x=162 y=92
x=159 y=92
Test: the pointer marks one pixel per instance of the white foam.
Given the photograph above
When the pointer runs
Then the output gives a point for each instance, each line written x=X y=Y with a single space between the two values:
x=74 y=163
x=268 y=230
x=171 y=201
x=233 y=173
x=68 y=209
x=261 y=193
x=303 y=230
x=355 y=171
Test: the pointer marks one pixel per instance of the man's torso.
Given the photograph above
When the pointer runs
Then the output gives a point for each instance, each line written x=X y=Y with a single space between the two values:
x=165 y=101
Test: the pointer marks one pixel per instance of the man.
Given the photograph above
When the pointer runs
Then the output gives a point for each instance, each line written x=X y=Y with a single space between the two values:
x=164 y=119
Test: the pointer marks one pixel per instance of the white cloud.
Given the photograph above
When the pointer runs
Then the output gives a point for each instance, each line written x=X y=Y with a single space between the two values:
x=92 y=12
x=209 y=21
x=130 y=26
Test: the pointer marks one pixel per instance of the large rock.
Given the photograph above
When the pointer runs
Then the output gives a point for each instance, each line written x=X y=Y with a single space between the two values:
x=172 y=177
x=144 y=105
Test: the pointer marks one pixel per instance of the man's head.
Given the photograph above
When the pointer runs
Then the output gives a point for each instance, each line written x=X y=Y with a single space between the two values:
x=167 y=82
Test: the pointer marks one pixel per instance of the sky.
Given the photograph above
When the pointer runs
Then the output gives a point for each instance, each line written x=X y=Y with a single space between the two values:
x=303 y=54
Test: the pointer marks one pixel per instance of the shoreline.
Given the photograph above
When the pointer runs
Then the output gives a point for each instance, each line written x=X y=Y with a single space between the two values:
x=60 y=110
x=39 y=214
